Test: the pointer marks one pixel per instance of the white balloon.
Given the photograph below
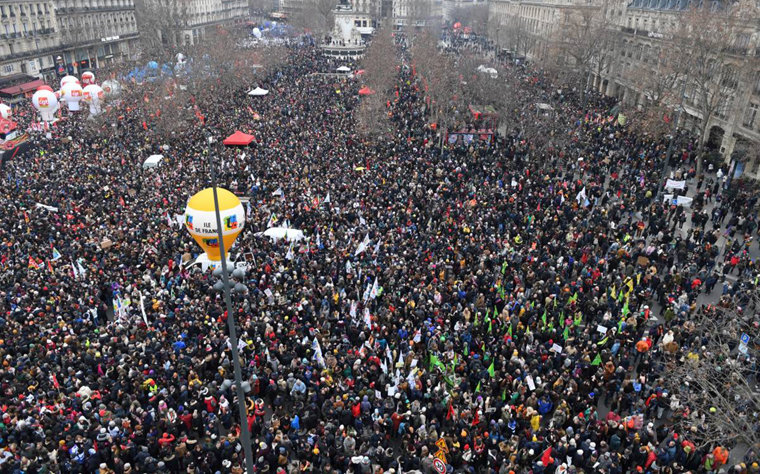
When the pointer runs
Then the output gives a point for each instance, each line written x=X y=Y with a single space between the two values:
x=88 y=78
x=5 y=111
x=46 y=104
x=67 y=79
x=72 y=94
x=94 y=95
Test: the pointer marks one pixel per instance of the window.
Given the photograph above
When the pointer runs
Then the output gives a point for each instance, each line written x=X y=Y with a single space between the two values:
x=757 y=84
x=2 y=11
x=8 y=68
x=730 y=78
x=750 y=116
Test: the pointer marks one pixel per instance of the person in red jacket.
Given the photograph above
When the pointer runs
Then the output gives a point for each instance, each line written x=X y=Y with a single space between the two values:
x=166 y=440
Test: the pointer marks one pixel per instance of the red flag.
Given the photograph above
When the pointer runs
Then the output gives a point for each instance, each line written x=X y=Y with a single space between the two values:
x=546 y=458
x=26 y=217
x=50 y=266
x=451 y=414
x=476 y=421
x=121 y=201
x=54 y=379
x=666 y=118
x=145 y=125
x=33 y=264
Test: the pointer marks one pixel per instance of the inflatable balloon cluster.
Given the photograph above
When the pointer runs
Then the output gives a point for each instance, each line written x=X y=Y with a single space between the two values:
x=48 y=102
x=200 y=221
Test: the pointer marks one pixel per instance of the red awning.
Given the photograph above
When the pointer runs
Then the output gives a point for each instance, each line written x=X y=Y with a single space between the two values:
x=6 y=126
x=22 y=88
x=239 y=139
x=366 y=91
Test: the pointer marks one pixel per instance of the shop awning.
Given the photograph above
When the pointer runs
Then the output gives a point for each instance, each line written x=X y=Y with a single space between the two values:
x=22 y=88
x=239 y=139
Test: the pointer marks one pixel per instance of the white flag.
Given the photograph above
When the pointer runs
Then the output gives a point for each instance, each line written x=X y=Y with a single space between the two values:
x=367 y=293
x=318 y=353
x=279 y=192
x=375 y=289
x=367 y=318
x=362 y=221
x=81 y=269
x=74 y=269
x=377 y=247
x=581 y=197
x=272 y=220
x=349 y=268
x=352 y=311
x=319 y=241
x=289 y=255
x=363 y=245
x=327 y=199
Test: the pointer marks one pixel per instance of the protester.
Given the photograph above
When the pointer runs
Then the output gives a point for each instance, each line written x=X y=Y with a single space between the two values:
x=497 y=299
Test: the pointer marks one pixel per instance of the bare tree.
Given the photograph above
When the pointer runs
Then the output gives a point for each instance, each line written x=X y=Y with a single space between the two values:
x=162 y=24
x=583 y=41
x=713 y=42
x=439 y=80
x=371 y=117
x=473 y=16
x=712 y=382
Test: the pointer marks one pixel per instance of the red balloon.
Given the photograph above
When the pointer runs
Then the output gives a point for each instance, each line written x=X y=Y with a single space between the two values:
x=45 y=87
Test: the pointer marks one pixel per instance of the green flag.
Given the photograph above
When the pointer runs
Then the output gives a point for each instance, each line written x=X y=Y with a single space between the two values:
x=492 y=369
x=573 y=298
x=620 y=324
x=509 y=332
x=602 y=342
x=475 y=323
x=543 y=318
x=555 y=302
x=578 y=319
x=566 y=334
x=504 y=394
x=477 y=389
x=490 y=327
x=621 y=295
x=562 y=318
x=504 y=267
x=625 y=309
x=435 y=362
x=495 y=311
x=597 y=360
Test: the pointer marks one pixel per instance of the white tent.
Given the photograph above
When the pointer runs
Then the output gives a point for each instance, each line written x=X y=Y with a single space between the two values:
x=153 y=161
x=489 y=70
x=277 y=233
x=258 y=92
x=343 y=69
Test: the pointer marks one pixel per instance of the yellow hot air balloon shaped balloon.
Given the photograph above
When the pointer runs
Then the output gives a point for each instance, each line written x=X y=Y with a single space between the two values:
x=200 y=220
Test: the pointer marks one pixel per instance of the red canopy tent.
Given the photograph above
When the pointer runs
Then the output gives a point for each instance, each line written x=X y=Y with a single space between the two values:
x=239 y=139
x=366 y=91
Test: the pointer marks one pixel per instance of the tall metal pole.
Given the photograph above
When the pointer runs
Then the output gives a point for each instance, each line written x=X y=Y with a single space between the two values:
x=246 y=436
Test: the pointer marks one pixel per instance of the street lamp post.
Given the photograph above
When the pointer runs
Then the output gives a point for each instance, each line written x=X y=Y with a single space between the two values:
x=245 y=435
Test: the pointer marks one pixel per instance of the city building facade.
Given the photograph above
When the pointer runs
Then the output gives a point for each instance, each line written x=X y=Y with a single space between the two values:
x=50 y=39
x=531 y=28
x=203 y=14
x=416 y=13
x=643 y=29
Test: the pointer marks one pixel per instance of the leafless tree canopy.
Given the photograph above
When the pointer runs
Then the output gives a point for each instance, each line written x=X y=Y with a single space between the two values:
x=712 y=44
x=711 y=387
x=161 y=25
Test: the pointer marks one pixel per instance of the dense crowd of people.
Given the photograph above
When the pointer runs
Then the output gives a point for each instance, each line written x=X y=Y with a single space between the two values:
x=513 y=309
